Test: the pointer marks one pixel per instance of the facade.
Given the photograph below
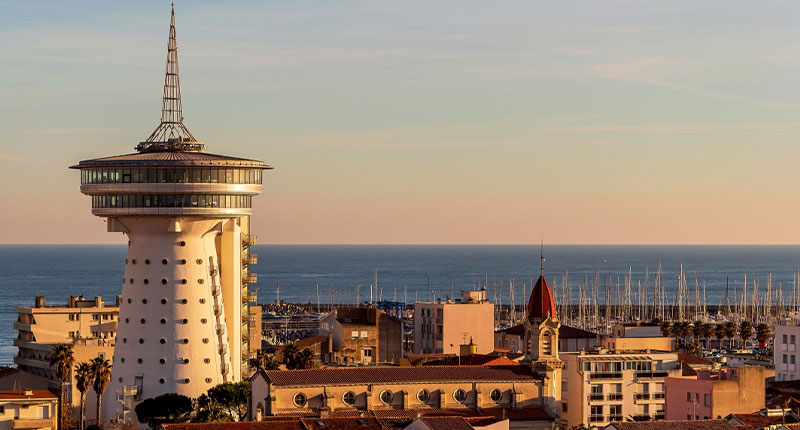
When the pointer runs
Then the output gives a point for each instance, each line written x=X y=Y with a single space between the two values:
x=184 y=317
x=254 y=324
x=528 y=393
x=636 y=329
x=440 y=327
x=655 y=343
x=672 y=425
x=602 y=386
x=710 y=396
x=787 y=334
x=570 y=339
x=363 y=335
x=28 y=409
x=89 y=325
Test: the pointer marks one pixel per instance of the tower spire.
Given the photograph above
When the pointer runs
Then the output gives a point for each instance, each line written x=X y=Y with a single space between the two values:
x=541 y=259
x=171 y=134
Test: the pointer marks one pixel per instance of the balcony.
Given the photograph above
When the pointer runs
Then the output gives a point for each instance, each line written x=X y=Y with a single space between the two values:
x=595 y=397
x=596 y=418
x=642 y=396
x=250 y=278
x=652 y=374
x=658 y=416
x=33 y=423
x=223 y=349
x=214 y=290
x=217 y=310
x=641 y=417
x=250 y=259
x=221 y=330
x=657 y=396
x=614 y=396
x=615 y=418
x=605 y=375
x=249 y=240
x=225 y=369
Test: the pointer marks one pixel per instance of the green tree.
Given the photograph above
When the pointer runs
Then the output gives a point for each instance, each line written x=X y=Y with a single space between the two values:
x=697 y=330
x=209 y=411
x=719 y=333
x=166 y=408
x=101 y=373
x=708 y=332
x=745 y=331
x=730 y=331
x=290 y=352
x=264 y=361
x=231 y=397
x=666 y=328
x=83 y=381
x=763 y=332
x=63 y=359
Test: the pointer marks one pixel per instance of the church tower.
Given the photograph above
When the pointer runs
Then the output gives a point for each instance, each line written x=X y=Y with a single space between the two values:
x=541 y=343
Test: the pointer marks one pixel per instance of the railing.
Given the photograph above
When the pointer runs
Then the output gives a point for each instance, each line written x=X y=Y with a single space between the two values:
x=223 y=348
x=658 y=395
x=641 y=417
x=225 y=369
x=658 y=416
x=33 y=423
x=642 y=396
x=217 y=310
x=652 y=374
x=615 y=396
x=615 y=417
x=249 y=240
x=595 y=396
x=251 y=278
x=214 y=290
x=595 y=418
x=221 y=330
x=250 y=259
x=605 y=375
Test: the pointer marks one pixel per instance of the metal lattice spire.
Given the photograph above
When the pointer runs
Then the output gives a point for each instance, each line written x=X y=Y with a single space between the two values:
x=171 y=134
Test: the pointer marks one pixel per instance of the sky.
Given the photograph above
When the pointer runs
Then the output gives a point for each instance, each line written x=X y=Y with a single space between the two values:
x=417 y=122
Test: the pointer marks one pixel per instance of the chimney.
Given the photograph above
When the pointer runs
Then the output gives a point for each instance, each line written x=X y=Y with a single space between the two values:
x=39 y=302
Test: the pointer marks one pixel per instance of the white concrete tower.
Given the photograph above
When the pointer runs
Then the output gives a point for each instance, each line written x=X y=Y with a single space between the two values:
x=183 y=320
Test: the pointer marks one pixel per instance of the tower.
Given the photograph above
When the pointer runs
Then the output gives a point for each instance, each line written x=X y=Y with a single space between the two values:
x=183 y=321
x=541 y=342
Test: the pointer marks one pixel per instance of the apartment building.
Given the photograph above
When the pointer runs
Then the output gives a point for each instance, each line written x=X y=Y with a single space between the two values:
x=785 y=352
x=570 y=339
x=704 y=395
x=363 y=335
x=89 y=325
x=441 y=327
x=601 y=386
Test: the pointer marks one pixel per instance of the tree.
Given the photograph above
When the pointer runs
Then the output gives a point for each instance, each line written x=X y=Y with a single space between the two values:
x=231 y=397
x=290 y=352
x=708 y=332
x=719 y=333
x=305 y=359
x=762 y=333
x=745 y=331
x=83 y=380
x=666 y=328
x=166 y=408
x=101 y=373
x=62 y=359
x=730 y=331
x=697 y=330
x=264 y=361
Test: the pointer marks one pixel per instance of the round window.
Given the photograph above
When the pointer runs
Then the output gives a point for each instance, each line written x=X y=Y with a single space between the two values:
x=183 y=243
x=206 y=360
x=146 y=281
x=130 y=281
x=386 y=396
x=142 y=321
x=200 y=281
x=164 y=281
x=459 y=395
x=163 y=341
x=146 y=261
x=164 y=261
x=184 y=281
x=199 y=261
x=163 y=301
x=163 y=320
x=349 y=398
x=133 y=261
x=423 y=395
x=162 y=380
x=299 y=400
x=208 y=380
x=496 y=395
x=162 y=360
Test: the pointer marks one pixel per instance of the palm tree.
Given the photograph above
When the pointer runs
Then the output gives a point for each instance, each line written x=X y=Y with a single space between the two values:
x=708 y=332
x=719 y=333
x=666 y=328
x=697 y=330
x=264 y=361
x=745 y=331
x=290 y=353
x=730 y=331
x=762 y=333
x=101 y=374
x=62 y=359
x=83 y=380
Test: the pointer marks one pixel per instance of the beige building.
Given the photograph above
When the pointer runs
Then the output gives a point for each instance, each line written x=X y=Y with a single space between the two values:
x=787 y=336
x=90 y=326
x=440 y=327
x=655 y=343
x=704 y=395
x=28 y=409
x=529 y=395
x=362 y=335
x=601 y=386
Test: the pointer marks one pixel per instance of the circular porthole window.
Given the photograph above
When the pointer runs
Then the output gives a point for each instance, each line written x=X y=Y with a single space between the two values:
x=186 y=341
x=141 y=341
x=163 y=301
x=122 y=360
x=349 y=398
x=459 y=395
x=299 y=400
x=129 y=301
x=124 y=340
x=199 y=261
x=144 y=301
x=146 y=261
x=185 y=321
x=183 y=261
x=200 y=281
x=423 y=395
x=185 y=361
x=126 y=319
x=202 y=301
x=164 y=281
x=162 y=380
x=163 y=320
x=184 y=281
x=141 y=321
x=203 y=320
x=130 y=281
x=184 y=301
x=139 y=361
x=133 y=261
x=164 y=261
x=205 y=340
x=206 y=360
x=496 y=395
x=208 y=380
x=386 y=397
x=162 y=360
x=146 y=281
x=163 y=341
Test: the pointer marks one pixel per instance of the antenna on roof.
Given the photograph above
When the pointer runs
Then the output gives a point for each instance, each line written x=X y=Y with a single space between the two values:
x=541 y=258
x=171 y=134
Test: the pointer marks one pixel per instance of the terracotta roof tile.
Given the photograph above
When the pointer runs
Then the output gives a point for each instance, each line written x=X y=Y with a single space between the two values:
x=388 y=374
x=446 y=423
x=524 y=414
x=22 y=395
x=692 y=359
x=541 y=304
x=673 y=425
x=758 y=421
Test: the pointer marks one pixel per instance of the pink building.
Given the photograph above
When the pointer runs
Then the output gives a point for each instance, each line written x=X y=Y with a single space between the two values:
x=703 y=396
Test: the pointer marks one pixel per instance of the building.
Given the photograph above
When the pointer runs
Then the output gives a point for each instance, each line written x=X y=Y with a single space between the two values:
x=89 y=325
x=28 y=409
x=254 y=322
x=706 y=396
x=321 y=346
x=656 y=343
x=785 y=352
x=765 y=419
x=636 y=329
x=570 y=339
x=369 y=422
x=184 y=316
x=527 y=394
x=440 y=327
x=603 y=386
x=364 y=335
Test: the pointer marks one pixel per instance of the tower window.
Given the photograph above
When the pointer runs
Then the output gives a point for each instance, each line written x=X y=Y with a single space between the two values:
x=547 y=344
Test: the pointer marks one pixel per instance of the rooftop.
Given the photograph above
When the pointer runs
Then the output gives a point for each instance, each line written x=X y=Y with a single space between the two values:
x=27 y=395
x=388 y=374
x=673 y=425
x=170 y=158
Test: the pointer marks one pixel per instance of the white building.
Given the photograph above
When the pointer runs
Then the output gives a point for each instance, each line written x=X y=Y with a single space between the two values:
x=28 y=409
x=441 y=327
x=184 y=318
x=787 y=333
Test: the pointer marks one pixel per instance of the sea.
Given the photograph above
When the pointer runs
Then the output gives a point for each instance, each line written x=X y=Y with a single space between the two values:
x=405 y=273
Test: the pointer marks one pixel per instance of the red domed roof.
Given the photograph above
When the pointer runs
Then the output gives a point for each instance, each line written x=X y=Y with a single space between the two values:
x=541 y=303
